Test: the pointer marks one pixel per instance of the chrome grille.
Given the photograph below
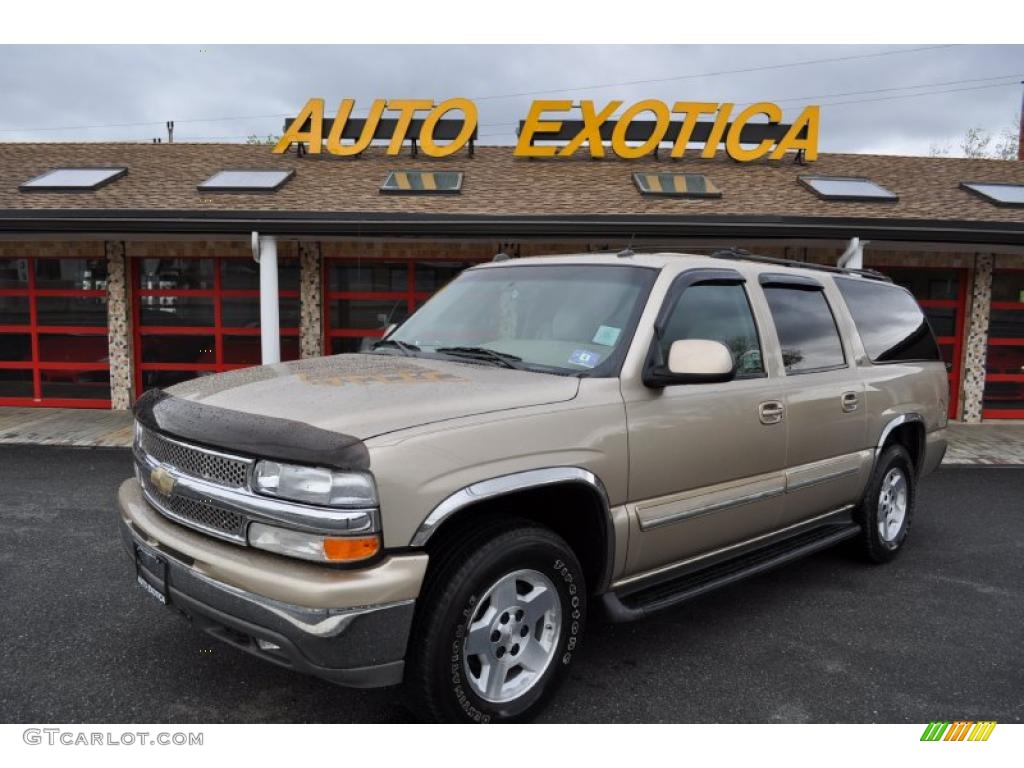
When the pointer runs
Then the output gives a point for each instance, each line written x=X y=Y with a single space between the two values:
x=201 y=514
x=197 y=462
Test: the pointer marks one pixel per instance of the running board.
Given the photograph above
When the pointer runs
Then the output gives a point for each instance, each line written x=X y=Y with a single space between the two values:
x=641 y=601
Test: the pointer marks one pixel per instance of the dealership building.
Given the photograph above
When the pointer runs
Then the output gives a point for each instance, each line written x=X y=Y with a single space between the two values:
x=125 y=267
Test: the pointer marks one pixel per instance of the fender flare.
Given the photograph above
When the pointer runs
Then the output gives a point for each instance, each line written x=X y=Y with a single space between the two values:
x=520 y=481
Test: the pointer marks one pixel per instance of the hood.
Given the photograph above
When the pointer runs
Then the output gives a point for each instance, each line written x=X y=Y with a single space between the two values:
x=368 y=395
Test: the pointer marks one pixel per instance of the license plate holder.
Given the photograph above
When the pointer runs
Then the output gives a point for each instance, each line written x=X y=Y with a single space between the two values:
x=151 y=574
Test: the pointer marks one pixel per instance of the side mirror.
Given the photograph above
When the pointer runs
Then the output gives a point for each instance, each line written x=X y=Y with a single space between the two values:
x=692 y=361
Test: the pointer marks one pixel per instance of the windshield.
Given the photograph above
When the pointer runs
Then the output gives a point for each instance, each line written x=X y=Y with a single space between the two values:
x=564 y=318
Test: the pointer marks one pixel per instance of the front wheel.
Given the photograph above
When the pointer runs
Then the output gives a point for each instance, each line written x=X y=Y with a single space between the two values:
x=499 y=622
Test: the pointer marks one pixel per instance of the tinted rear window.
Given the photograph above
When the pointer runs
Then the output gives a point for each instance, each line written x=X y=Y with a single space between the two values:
x=807 y=331
x=891 y=324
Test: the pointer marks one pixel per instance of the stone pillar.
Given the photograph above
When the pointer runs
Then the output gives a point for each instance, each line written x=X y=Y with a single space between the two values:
x=119 y=334
x=310 y=301
x=977 y=339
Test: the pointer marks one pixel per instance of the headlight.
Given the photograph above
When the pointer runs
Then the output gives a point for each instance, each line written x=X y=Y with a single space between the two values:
x=315 y=485
x=311 y=546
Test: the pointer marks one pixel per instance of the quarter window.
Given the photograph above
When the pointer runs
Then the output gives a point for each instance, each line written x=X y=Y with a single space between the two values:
x=806 y=328
x=717 y=312
x=891 y=325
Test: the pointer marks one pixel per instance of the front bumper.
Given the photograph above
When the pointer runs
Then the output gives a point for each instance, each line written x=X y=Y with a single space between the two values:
x=347 y=626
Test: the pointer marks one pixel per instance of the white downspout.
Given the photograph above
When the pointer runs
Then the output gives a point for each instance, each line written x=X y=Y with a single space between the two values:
x=853 y=256
x=264 y=250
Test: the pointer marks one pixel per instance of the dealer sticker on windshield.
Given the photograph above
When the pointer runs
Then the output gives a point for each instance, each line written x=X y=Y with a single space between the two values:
x=607 y=335
x=584 y=358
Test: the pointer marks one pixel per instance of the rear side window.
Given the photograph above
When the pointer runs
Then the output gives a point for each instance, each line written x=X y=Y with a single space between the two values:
x=717 y=312
x=891 y=324
x=806 y=328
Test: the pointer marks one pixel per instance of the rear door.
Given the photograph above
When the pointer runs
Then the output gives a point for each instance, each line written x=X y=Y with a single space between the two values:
x=823 y=397
x=705 y=470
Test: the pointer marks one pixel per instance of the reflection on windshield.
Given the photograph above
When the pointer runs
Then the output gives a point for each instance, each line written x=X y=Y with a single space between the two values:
x=566 y=318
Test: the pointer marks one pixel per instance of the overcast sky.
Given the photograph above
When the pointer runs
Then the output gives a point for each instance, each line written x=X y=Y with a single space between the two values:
x=74 y=87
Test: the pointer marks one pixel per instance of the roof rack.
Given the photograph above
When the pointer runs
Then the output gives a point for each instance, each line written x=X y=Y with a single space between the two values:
x=743 y=255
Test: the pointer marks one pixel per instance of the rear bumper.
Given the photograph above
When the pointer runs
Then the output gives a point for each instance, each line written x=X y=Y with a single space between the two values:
x=329 y=630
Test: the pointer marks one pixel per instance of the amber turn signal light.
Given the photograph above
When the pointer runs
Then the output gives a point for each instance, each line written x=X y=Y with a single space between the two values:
x=349 y=550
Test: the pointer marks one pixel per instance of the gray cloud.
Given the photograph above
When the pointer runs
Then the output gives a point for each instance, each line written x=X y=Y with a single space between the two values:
x=55 y=86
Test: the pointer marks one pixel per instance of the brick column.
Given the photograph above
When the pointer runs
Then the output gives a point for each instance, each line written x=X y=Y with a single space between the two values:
x=977 y=339
x=310 y=301
x=119 y=335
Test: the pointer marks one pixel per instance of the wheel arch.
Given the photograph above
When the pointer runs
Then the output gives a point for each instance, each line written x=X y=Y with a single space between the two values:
x=570 y=500
x=907 y=430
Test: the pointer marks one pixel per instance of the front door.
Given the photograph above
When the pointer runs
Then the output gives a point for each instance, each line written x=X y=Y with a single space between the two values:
x=706 y=461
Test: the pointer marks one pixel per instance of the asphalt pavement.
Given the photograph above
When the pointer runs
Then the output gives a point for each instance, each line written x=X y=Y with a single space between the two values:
x=936 y=635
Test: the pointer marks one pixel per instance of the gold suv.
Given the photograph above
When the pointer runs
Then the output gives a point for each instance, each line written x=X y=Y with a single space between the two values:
x=545 y=439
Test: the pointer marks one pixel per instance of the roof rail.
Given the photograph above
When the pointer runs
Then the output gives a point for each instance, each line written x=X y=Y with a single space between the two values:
x=743 y=255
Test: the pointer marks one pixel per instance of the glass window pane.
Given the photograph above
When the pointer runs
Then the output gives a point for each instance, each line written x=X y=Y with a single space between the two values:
x=343 y=344
x=175 y=274
x=80 y=274
x=1008 y=194
x=68 y=310
x=73 y=348
x=676 y=184
x=245 y=180
x=841 y=188
x=1006 y=324
x=13 y=273
x=434 y=275
x=74 y=178
x=247 y=350
x=807 y=331
x=926 y=283
x=244 y=275
x=1005 y=359
x=15 y=346
x=245 y=312
x=163 y=379
x=179 y=349
x=1008 y=285
x=365 y=313
x=423 y=182
x=891 y=324
x=176 y=310
x=14 y=310
x=15 y=383
x=1003 y=395
x=368 y=276
x=76 y=385
x=718 y=313
x=942 y=321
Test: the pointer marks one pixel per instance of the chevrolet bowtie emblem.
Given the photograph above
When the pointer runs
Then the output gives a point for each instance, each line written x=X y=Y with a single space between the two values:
x=162 y=480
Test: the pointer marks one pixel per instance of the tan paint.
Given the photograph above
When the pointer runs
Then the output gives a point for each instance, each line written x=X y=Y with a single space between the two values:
x=688 y=470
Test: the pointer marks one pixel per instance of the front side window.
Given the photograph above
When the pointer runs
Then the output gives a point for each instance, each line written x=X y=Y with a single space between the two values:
x=891 y=324
x=717 y=312
x=560 y=318
x=806 y=329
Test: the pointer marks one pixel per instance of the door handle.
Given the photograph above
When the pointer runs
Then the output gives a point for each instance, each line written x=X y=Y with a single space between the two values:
x=771 y=412
x=850 y=402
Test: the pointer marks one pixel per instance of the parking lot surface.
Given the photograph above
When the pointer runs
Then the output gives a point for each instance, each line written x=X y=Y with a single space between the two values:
x=935 y=635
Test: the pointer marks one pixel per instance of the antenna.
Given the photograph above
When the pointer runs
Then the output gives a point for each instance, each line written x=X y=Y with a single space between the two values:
x=170 y=131
x=626 y=252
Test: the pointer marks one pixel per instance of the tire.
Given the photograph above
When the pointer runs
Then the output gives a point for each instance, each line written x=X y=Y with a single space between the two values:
x=499 y=622
x=887 y=510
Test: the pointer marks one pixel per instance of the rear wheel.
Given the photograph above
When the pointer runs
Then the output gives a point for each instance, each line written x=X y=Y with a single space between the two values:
x=888 y=505
x=499 y=622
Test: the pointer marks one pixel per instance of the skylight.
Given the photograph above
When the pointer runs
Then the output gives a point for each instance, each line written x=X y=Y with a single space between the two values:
x=676 y=184
x=423 y=182
x=846 y=188
x=245 y=181
x=73 y=179
x=996 y=192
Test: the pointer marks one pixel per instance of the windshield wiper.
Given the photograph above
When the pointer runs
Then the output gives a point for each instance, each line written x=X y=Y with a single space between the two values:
x=483 y=353
x=405 y=347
